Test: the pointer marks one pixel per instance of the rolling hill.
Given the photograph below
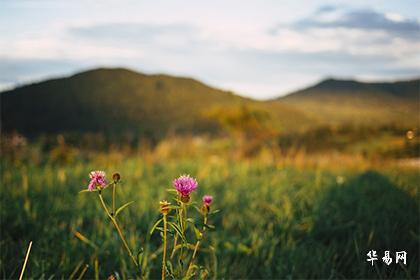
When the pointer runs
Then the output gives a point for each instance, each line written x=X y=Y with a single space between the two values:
x=345 y=101
x=119 y=101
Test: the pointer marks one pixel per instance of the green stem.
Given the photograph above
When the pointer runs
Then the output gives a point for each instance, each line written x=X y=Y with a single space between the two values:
x=173 y=250
x=183 y=223
x=196 y=247
x=118 y=229
x=184 y=218
x=113 y=199
x=179 y=215
x=164 y=247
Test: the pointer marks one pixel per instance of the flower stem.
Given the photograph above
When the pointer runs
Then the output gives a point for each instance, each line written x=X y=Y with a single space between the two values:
x=164 y=247
x=173 y=250
x=196 y=247
x=179 y=218
x=183 y=223
x=114 y=221
x=113 y=200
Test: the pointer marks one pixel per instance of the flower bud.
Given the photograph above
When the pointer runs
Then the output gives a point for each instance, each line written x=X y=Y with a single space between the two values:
x=116 y=177
x=205 y=209
x=185 y=198
x=207 y=201
x=164 y=207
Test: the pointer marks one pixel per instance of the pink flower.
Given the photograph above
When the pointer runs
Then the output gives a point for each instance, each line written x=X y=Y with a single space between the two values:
x=207 y=200
x=97 y=178
x=185 y=184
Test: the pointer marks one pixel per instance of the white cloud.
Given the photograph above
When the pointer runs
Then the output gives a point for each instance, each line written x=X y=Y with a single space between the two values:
x=249 y=51
x=394 y=17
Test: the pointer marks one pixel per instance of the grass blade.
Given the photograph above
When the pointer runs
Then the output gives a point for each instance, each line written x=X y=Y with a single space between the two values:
x=122 y=208
x=26 y=260
x=178 y=230
x=85 y=239
x=154 y=226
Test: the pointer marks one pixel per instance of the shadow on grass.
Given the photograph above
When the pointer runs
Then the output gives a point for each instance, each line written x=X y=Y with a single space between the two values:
x=367 y=213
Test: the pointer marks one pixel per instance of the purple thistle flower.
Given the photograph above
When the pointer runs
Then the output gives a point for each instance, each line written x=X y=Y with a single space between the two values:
x=97 y=178
x=207 y=200
x=185 y=184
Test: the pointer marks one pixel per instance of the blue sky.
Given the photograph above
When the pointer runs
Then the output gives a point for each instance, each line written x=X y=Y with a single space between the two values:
x=260 y=49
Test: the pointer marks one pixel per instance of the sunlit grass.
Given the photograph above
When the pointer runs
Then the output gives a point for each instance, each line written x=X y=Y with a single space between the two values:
x=279 y=220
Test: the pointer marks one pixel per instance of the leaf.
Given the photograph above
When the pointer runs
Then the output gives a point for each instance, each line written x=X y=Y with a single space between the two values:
x=169 y=268
x=85 y=239
x=140 y=256
x=209 y=226
x=122 y=207
x=198 y=209
x=194 y=269
x=170 y=231
x=200 y=224
x=214 y=212
x=186 y=245
x=86 y=190
x=197 y=233
x=172 y=191
x=190 y=220
x=117 y=275
x=178 y=230
x=154 y=226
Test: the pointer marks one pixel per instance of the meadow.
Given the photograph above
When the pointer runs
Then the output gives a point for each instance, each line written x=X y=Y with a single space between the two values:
x=306 y=217
x=302 y=184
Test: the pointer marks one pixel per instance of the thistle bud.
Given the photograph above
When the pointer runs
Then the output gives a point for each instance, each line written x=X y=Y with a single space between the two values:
x=185 y=198
x=116 y=177
x=205 y=209
x=207 y=201
x=164 y=207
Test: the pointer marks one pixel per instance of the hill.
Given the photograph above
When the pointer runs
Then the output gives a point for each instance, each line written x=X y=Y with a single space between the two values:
x=346 y=101
x=122 y=102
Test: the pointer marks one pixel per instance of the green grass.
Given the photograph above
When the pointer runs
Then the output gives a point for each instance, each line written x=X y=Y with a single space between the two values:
x=274 y=223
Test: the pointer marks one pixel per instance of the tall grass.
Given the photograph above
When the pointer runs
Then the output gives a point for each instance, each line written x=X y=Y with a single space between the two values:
x=278 y=220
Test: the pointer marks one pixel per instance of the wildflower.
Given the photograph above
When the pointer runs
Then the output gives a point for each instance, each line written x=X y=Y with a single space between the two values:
x=164 y=207
x=185 y=184
x=97 y=178
x=207 y=200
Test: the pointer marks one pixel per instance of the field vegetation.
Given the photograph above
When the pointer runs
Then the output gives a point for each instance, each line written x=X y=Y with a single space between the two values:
x=286 y=213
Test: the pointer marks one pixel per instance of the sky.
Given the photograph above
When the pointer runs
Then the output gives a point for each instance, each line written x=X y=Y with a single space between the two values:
x=259 y=49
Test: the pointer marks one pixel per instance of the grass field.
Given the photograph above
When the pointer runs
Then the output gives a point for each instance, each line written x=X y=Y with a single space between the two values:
x=275 y=221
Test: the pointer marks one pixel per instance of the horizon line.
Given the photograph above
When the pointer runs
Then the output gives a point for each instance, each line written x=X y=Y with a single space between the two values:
x=82 y=70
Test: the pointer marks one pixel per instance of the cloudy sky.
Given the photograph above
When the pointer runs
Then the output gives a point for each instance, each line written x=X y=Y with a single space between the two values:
x=255 y=48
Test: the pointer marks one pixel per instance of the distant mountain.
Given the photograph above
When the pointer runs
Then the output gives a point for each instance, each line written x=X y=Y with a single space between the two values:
x=335 y=101
x=120 y=101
